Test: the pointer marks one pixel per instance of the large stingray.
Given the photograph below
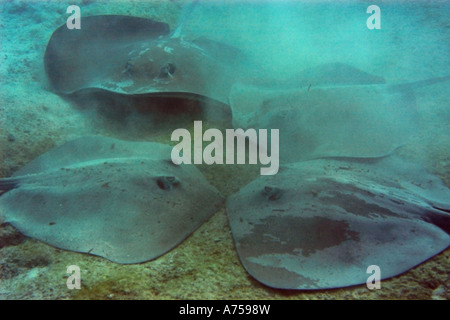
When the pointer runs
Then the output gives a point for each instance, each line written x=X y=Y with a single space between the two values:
x=334 y=115
x=321 y=223
x=125 y=201
x=130 y=55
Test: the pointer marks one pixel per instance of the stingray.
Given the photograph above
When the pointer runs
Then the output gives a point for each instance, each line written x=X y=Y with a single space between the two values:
x=125 y=201
x=321 y=223
x=335 y=110
x=137 y=56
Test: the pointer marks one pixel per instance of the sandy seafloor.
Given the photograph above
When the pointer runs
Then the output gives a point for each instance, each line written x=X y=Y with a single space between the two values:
x=205 y=266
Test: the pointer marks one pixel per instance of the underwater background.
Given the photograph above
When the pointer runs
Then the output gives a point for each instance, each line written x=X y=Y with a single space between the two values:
x=285 y=37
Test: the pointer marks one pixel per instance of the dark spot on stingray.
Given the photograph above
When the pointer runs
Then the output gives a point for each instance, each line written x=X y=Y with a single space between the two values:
x=167 y=182
x=272 y=193
x=352 y=204
x=113 y=146
x=345 y=197
x=51 y=223
x=288 y=235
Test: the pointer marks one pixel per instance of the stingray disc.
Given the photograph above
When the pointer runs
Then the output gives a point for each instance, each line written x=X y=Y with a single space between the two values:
x=125 y=201
x=320 y=224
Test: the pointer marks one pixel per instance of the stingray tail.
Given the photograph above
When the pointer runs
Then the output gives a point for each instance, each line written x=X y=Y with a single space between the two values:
x=8 y=184
x=185 y=17
x=419 y=84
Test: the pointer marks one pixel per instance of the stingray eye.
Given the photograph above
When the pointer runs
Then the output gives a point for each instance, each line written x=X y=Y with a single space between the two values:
x=272 y=193
x=167 y=183
x=167 y=70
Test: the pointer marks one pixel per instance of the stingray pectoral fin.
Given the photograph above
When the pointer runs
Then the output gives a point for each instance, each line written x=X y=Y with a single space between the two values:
x=92 y=148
